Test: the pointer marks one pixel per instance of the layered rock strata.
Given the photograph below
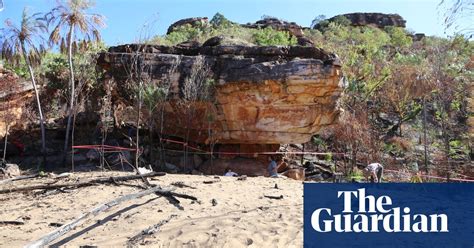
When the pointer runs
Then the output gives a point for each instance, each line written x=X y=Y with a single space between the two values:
x=379 y=20
x=260 y=95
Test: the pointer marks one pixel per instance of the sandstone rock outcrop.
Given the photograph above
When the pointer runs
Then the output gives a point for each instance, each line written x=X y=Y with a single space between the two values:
x=379 y=20
x=262 y=95
x=14 y=95
x=277 y=24
x=193 y=21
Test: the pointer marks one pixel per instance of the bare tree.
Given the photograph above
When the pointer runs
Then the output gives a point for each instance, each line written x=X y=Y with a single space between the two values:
x=459 y=15
x=353 y=134
x=155 y=97
x=197 y=88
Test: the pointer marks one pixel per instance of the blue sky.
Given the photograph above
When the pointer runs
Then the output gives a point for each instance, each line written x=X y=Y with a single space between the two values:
x=126 y=17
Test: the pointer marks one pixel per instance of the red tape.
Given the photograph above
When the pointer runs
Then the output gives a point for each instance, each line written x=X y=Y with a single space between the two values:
x=104 y=147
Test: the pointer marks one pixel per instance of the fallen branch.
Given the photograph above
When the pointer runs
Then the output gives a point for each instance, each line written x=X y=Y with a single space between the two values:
x=211 y=181
x=182 y=185
x=274 y=197
x=82 y=184
x=147 y=232
x=18 y=178
x=11 y=222
x=173 y=194
x=43 y=241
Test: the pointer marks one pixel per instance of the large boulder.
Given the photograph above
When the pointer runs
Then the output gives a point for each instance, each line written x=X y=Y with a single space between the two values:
x=193 y=21
x=260 y=95
x=10 y=171
x=14 y=95
x=277 y=24
x=379 y=20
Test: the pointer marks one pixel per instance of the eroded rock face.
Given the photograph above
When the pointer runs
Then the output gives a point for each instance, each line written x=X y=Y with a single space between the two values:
x=262 y=95
x=13 y=97
x=379 y=20
x=193 y=21
x=277 y=24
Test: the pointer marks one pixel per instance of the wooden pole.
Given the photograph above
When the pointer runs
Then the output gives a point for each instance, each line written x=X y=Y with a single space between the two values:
x=45 y=240
x=82 y=184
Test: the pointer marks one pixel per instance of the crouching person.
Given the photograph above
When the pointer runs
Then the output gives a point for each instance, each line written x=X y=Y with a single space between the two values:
x=272 y=167
x=374 y=171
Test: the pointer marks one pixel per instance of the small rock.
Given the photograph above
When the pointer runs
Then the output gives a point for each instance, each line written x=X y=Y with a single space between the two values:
x=242 y=178
x=10 y=171
x=249 y=241
x=214 y=202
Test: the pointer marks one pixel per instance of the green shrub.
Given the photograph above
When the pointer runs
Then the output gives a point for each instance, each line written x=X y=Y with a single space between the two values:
x=233 y=34
x=219 y=20
x=270 y=37
x=458 y=150
x=356 y=174
x=398 y=37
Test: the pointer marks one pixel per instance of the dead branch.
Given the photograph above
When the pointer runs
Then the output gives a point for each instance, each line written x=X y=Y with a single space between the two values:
x=172 y=200
x=274 y=197
x=147 y=232
x=18 y=178
x=43 y=241
x=83 y=184
x=182 y=185
x=11 y=222
x=211 y=181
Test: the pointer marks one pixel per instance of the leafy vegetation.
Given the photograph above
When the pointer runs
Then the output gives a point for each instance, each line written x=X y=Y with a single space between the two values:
x=397 y=88
x=23 y=43
x=69 y=20
x=234 y=33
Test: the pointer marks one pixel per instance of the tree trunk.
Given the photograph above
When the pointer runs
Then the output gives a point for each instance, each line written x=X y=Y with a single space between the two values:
x=211 y=142
x=137 y=153
x=447 y=148
x=424 y=136
x=5 y=145
x=400 y=127
x=302 y=154
x=72 y=93
x=354 y=158
x=150 y=136
x=72 y=139
x=45 y=240
x=162 y=145
x=33 y=81
x=188 y=132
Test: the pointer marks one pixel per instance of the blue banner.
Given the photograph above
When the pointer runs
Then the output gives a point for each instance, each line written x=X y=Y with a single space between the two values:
x=389 y=215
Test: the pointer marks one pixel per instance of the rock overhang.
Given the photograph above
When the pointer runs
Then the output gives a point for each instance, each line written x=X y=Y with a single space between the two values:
x=263 y=95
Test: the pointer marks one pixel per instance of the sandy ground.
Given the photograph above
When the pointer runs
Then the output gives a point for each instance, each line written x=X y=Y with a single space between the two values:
x=243 y=217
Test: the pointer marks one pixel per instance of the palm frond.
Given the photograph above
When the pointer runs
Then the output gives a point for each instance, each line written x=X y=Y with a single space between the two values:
x=25 y=39
x=73 y=13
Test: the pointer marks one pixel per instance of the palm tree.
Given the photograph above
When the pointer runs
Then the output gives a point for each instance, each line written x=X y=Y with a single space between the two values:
x=69 y=19
x=25 y=42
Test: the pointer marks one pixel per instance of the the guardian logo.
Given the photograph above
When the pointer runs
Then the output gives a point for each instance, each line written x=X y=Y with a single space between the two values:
x=374 y=215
